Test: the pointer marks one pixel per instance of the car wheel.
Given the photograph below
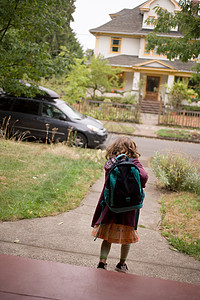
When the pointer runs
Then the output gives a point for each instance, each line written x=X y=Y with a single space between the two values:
x=79 y=140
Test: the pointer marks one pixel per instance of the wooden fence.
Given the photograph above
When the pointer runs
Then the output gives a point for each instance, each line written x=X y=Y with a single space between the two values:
x=180 y=118
x=131 y=113
x=110 y=110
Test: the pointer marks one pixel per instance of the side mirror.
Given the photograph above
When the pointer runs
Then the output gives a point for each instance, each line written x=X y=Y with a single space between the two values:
x=63 y=117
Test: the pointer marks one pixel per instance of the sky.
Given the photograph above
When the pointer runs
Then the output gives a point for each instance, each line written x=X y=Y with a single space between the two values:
x=90 y=14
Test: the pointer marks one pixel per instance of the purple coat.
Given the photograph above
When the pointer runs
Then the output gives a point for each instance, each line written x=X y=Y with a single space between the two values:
x=108 y=217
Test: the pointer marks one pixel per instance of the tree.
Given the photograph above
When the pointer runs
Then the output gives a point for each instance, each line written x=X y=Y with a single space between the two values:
x=24 y=53
x=97 y=76
x=188 y=22
x=89 y=53
x=77 y=81
x=102 y=76
x=64 y=37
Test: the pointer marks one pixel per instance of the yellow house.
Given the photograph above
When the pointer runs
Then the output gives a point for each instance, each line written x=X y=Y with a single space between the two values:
x=122 y=42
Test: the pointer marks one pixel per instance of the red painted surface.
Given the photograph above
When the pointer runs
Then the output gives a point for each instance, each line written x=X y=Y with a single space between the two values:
x=24 y=278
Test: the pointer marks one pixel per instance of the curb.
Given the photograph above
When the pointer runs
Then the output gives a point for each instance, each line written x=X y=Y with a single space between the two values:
x=155 y=137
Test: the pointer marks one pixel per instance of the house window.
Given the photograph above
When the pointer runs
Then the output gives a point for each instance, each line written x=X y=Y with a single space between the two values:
x=151 y=20
x=115 y=45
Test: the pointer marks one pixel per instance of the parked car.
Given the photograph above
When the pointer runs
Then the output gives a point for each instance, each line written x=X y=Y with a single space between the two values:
x=46 y=117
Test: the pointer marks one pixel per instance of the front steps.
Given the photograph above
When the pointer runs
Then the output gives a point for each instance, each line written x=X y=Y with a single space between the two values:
x=151 y=107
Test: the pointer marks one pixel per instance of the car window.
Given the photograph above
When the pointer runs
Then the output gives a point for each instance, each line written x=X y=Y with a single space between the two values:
x=71 y=112
x=26 y=106
x=51 y=111
x=5 y=104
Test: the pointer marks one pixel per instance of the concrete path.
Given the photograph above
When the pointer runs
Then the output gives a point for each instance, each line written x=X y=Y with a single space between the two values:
x=67 y=238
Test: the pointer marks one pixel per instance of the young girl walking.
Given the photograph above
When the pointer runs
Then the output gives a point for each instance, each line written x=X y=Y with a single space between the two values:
x=113 y=227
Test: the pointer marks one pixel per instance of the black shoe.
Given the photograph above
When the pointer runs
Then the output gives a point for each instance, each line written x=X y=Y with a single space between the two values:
x=101 y=265
x=121 y=268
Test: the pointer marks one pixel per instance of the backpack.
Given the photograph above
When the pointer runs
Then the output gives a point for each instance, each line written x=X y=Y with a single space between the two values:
x=123 y=191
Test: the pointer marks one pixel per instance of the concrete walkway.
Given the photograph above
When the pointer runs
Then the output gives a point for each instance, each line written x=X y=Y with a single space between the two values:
x=67 y=239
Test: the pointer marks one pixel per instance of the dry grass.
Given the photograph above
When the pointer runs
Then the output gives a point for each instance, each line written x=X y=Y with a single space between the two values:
x=181 y=221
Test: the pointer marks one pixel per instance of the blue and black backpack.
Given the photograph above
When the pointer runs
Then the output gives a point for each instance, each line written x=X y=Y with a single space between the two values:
x=123 y=191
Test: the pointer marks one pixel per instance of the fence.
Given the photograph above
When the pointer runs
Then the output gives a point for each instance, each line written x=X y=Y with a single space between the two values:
x=180 y=118
x=110 y=111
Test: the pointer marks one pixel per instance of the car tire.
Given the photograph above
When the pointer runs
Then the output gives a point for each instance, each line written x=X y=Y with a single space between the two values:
x=79 y=140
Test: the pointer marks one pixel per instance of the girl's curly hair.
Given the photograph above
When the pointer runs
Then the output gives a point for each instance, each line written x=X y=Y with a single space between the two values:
x=122 y=145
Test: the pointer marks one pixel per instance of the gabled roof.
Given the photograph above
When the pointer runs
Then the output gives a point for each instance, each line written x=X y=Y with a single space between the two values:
x=120 y=13
x=132 y=61
x=146 y=6
x=126 y=22
x=155 y=63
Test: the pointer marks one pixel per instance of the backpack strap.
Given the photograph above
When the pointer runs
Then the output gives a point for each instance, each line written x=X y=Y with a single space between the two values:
x=137 y=218
x=121 y=155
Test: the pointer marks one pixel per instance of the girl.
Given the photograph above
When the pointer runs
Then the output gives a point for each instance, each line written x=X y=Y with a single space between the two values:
x=117 y=227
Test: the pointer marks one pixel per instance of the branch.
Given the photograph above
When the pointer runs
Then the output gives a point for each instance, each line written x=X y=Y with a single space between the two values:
x=9 y=23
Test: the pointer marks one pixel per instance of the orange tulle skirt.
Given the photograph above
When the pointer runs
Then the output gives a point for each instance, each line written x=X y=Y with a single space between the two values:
x=116 y=233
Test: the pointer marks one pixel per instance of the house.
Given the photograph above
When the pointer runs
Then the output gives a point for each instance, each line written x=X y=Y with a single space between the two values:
x=122 y=42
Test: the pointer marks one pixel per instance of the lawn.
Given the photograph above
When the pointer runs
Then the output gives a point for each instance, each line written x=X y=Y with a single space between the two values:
x=38 y=180
x=180 y=134
x=180 y=222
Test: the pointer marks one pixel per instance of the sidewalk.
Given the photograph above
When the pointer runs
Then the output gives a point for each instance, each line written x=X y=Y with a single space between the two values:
x=156 y=271
x=148 y=128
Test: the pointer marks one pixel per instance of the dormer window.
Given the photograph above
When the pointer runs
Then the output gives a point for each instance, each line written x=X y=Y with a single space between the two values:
x=151 y=20
x=115 y=45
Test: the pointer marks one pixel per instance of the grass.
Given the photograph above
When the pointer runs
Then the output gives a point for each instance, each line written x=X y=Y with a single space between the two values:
x=180 y=222
x=119 y=127
x=38 y=180
x=179 y=134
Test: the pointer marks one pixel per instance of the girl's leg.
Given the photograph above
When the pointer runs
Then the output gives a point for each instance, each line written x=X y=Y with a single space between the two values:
x=105 y=249
x=124 y=252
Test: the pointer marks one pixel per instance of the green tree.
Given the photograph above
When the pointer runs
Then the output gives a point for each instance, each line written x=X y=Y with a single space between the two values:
x=102 y=76
x=89 y=53
x=24 y=53
x=98 y=76
x=187 y=21
x=64 y=37
x=77 y=81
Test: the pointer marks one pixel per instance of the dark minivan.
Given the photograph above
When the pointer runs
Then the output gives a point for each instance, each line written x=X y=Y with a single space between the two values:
x=47 y=117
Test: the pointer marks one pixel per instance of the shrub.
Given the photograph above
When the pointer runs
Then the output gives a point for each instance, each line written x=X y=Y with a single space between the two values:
x=176 y=173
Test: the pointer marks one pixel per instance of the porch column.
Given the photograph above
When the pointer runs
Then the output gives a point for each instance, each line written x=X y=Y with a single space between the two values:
x=170 y=83
x=135 y=84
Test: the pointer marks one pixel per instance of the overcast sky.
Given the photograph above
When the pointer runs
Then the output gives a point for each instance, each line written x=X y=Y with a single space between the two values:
x=93 y=13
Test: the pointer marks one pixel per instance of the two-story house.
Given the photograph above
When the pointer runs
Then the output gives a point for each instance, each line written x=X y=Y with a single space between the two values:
x=122 y=42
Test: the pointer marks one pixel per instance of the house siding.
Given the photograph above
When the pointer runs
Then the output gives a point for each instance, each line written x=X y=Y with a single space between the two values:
x=162 y=3
x=129 y=46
